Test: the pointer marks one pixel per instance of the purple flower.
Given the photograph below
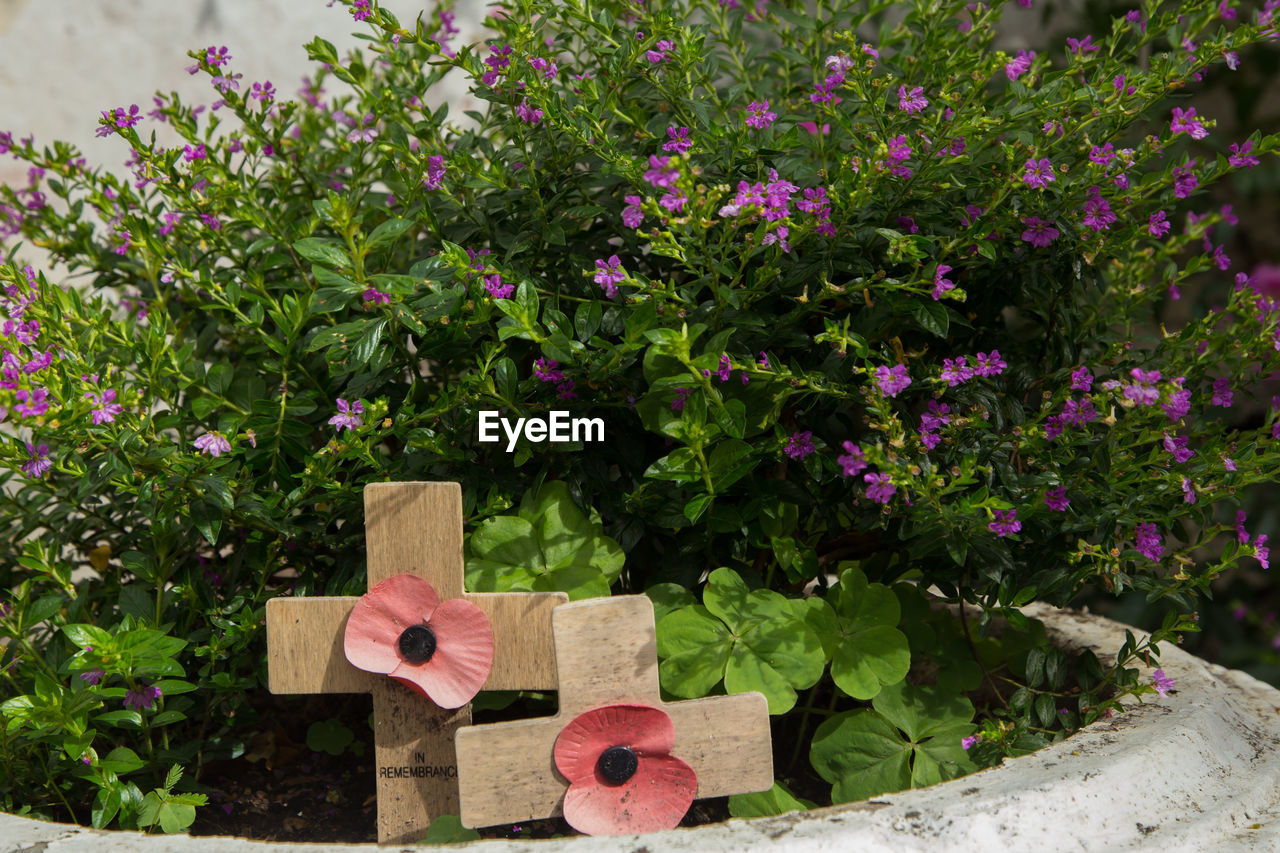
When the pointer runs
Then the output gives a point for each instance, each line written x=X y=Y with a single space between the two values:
x=38 y=465
x=213 y=443
x=1179 y=404
x=528 y=114
x=1083 y=45
x=1078 y=413
x=435 y=172
x=493 y=284
x=1184 y=180
x=1081 y=379
x=1186 y=121
x=1162 y=683
x=1241 y=158
x=852 y=462
x=989 y=364
x=105 y=408
x=1056 y=499
x=913 y=101
x=547 y=370
x=1006 y=522
x=759 y=116
x=31 y=404
x=608 y=274
x=879 y=489
x=1158 y=224
x=360 y=10
x=1039 y=233
x=1143 y=391
x=1148 y=541
x=1038 y=173
x=673 y=202
x=956 y=372
x=1222 y=392
x=892 y=381
x=348 y=415
x=1261 y=552
x=377 y=297
x=682 y=394
x=725 y=369
x=1188 y=490
x=800 y=445
x=1177 y=445
x=632 y=215
x=658 y=53
x=1097 y=212
x=1019 y=65
x=92 y=677
x=679 y=141
x=941 y=285
x=968 y=741
x=142 y=699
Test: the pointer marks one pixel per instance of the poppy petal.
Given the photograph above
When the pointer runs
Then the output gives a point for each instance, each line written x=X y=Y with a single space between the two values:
x=371 y=639
x=657 y=797
x=645 y=729
x=463 y=656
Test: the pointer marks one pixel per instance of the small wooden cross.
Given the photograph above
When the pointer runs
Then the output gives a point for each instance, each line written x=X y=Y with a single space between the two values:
x=410 y=528
x=606 y=654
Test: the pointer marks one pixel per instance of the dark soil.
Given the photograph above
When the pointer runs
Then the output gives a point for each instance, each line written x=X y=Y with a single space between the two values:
x=280 y=790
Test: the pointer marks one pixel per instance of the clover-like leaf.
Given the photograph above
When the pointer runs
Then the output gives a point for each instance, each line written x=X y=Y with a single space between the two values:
x=752 y=639
x=548 y=545
x=911 y=739
x=871 y=652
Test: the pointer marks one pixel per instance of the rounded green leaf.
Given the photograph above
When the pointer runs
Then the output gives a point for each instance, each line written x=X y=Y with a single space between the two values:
x=694 y=647
x=865 y=661
x=862 y=755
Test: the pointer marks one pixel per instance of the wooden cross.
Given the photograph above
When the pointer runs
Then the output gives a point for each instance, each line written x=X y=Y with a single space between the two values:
x=606 y=654
x=410 y=528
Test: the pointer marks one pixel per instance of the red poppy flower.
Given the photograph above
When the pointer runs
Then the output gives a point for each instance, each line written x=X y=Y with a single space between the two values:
x=622 y=777
x=441 y=649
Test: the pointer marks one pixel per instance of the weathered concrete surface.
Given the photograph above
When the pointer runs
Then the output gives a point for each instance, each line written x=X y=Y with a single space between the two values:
x=1197 y=770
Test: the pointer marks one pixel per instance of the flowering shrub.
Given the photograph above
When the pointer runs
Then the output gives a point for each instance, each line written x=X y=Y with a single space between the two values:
x=872 y=327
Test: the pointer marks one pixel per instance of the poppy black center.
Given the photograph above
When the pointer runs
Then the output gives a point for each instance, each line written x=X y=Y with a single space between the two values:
x=417 y=644
x=617 y=764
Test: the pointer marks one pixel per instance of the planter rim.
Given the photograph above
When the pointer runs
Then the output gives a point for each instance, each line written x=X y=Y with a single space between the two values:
x=1198 y=769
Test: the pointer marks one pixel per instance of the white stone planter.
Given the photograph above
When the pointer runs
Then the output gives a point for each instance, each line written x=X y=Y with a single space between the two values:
x=1196 y=770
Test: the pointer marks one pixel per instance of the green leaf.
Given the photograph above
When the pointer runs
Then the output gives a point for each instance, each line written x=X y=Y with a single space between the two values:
x=386 y=233
x=862 y=755
x=329 y=736
x=668 y=597
x=933 y=317
x=694 y=647
x=586 y=320
x=122 y=761
x=448 y=829
x=322 y=251
x=731 y=460
x=777 y=800
x=871 y=651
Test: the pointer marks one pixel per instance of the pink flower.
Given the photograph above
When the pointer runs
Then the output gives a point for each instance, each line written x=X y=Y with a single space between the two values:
x=1081 y=379
x=1162 y=683
x=852 y=462
x=968 y=741
x=213 y=443
x=913 y=101
x=941 y=285
x=435 y=172
x=1019 y=65
x=622 y=776
x=892 y=381
x=658 y=53
x=440 y=649
x=1158 y=224
x=528 y=114
x=1186 y=121
x=679 y=140
x=1222 y=395
x=759 y=116
x=879 y=487
x=1188 y=490
x=632 y=215
x=1241 y=158
x=1177 y=445
x=38 y=464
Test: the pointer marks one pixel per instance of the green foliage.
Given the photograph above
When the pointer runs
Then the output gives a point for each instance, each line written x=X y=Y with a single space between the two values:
x=448 y=829
x=910 y=739
x=329 y=736
x=283 y=308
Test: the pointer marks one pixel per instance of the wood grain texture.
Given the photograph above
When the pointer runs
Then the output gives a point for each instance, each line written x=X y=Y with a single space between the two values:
x=411 y=528
x=606 y=654
x=304 y=643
